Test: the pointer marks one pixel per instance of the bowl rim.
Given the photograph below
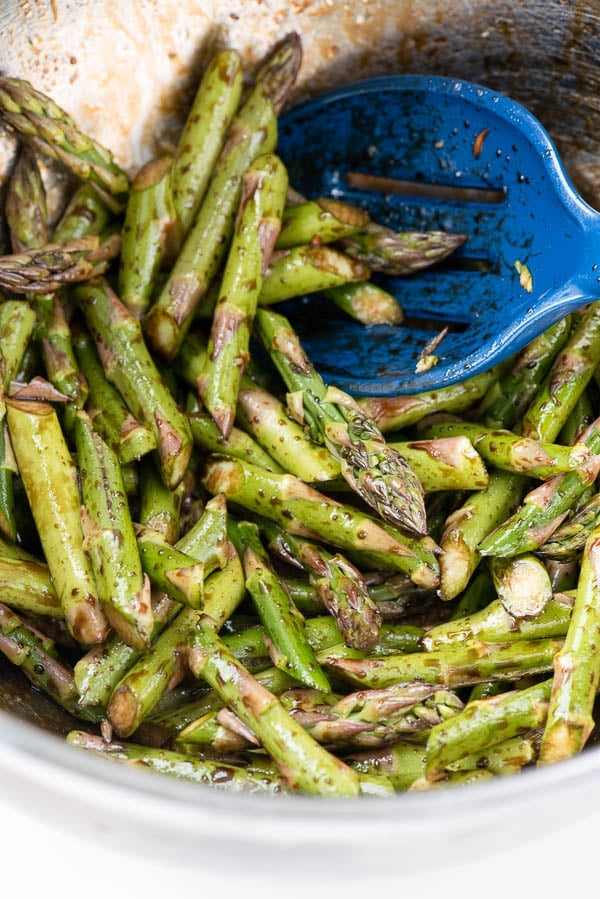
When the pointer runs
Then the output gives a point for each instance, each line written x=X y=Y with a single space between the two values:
x=29 y=743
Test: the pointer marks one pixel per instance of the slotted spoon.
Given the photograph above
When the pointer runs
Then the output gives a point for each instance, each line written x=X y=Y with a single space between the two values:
x=432 y=153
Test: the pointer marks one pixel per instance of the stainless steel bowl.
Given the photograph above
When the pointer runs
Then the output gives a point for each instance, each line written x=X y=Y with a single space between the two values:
x=127 y=71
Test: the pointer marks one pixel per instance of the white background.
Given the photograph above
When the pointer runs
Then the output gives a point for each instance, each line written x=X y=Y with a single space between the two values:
x=40 y=861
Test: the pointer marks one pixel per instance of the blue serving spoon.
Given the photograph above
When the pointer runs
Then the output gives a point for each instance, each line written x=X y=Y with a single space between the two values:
x=430 y=153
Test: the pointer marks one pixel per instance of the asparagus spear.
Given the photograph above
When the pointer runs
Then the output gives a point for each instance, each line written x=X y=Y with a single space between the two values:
x=510 y=395
x=41 y=123
x=457 y=666
x=37 y=657
x=495 y=623
x=17 y=321
x=283 y=623
x=302 y=762
x=109 y=538
x=396 y=412
x=85 y=214
x=259 y=219
x=402 y=252
x=570 y=538
x=319 y=221
x=340 y=585
x=165 y=663
x=544 y=508
x=111 y=418
x=509 y=451
x=303 y=511
x=370 y=718
x=49 y=267
x=201 y=140
x=129 y=366
x=308 y=269
x=523 y=585
x=231 y=778
x=26 y=586
x=238 y=444
x=252 y=132
x=567 y=379
x=444 y=463
x=367 y=303
x=486 y=723
x=378 y=474
x=576 y=667
x=149 y=219
x=50 y=481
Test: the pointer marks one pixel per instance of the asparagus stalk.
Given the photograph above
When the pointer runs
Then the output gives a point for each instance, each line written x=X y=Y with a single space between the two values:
x=576 y=668
x=339 y=584
x=109 y=538
x=50 y=481
x=238 y=444
x=283 y=623
x=402 y=252
x=545 y=508
x=149 y=218
x=201 y=141
x=232 y=778
x=49 y=267
x=308 y=269
x=37 y=657
x=305 y=512
x=485 y=723
x=85 y=214
x=259 y=219
x=160 y=508
x=467 y=526
x=17 y=321
x=370 y=718
x=26 y=586
x=378 y=474
x=111 y=418
x=129 y=366
x=396 y=412
x=170 y=570
x=495 y=623
x=511 y=452
x=302 y=762
x=570 y=374
x=523 y=585
x=569 y=539
x=320 y=221
x=42 y=124
x=509 y=396
x=470 y=663
x=252 y=132
x=367 y=303
x=444 y=463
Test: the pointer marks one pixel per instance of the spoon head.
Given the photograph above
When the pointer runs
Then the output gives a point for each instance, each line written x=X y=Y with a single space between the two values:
x=429 y=153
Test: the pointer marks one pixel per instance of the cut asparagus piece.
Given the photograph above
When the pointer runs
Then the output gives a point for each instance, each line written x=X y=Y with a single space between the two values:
x=50 y=481
x=305 y=512
x=149 y=219
x=109 y=538
x=377 y=473
x=283 y=623
x=201 y=141
x=302 y=762
x=577 y=667
x=252 y=132
x=129 y=366
x=340 y=585
x=256 y=228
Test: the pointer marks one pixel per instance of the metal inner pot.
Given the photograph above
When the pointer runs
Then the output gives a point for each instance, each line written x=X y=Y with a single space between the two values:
x=127 y=71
